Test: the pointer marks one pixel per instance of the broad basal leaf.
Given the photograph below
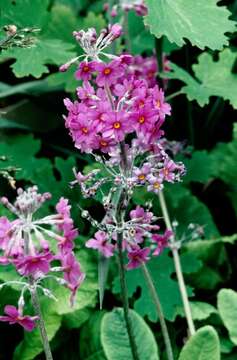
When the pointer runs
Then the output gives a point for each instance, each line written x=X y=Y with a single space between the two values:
x=200 y=310
x=214 y=78
x=204 y=345
x=227 y=306
x=202 y=22
x=115 y=339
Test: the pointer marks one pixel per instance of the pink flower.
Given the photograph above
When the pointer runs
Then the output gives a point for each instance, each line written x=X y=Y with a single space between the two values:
x=155 y=184
x=15 y=317
x=168 y=171
x=33 y=264
x=72 y=274
x=137 y=257
x=140 y=175
x=161 y=241
x=100 y=243
x=144 y=119
x=85 y=70
x=142 y=216
x=105 y=144
x=117 y=126
x=108 y=73
x=159 y=102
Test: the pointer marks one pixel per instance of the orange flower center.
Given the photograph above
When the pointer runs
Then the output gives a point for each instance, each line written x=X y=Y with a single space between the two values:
x=103 y=143
x=141 y=177
x=84 y=130
x=34 y=260
x=107 y=71
x=158 y=104
x=141 y=104
x=141 y=119
x=117 y=125
x=166 y=172
x=156 y=185
x=150 y=74
x=86 y=68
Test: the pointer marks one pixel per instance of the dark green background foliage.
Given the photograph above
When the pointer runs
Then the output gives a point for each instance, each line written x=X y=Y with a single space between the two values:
x=200 y=40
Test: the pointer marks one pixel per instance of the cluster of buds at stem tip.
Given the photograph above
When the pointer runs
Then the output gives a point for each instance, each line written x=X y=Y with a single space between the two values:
x=93 y=45
x=118 y=117
x=15 y=37
x=26 y=243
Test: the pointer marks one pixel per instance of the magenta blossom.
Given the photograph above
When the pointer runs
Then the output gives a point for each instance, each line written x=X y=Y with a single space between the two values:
x=108 y=73
x=161 y=241
x=168 y=171
x=73 y=274
x=100 y=242
x=137 y=257
x=159 y=102
x=155 y=184
x=14 y=316
x=141 y=215
x=85 y=70
x=5 y=227
x=117 y=126
x=33 y=264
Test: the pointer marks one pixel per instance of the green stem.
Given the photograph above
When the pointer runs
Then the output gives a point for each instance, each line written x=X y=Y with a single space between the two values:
x=178 y=267
x=171 y=96
x=120 y=210
x=43 y=332
x=126 y=32
x=124 y=293
x=159 y=310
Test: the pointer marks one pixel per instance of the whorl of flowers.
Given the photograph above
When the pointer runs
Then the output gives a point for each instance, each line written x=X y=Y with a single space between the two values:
x=117 y=117
x=26 y=243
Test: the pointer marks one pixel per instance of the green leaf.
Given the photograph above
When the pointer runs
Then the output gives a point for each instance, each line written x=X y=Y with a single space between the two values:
x=141 y=39
x=214 y=78
x=202 y=22
x=161 y=270
x=90 y=341
x=24 y=13
x=33 y=61
x=204 y=345
x=115 y=339
x=200 y=310
x=200 y=167
x=227 y=306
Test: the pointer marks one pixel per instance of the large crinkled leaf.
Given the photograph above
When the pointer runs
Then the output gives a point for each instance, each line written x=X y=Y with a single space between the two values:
x=24 y=13
x=204 y=345
x=161 y=270
x=202 y=22
x=214 y=78
x=227 y=306
x=33 y=61
x=115 y=339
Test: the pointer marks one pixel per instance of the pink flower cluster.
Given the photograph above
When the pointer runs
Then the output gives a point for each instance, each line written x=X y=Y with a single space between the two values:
x=137 y=5
x=137 y=232
x=25 y=243
x=115 y=103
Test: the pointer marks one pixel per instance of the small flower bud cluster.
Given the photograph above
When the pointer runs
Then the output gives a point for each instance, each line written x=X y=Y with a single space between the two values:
x=25 y=243
x=126 y=5
x=18 y=37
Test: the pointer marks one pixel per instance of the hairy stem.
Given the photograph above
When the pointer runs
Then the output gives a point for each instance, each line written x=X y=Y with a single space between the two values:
x=43 y=332
x=178 y=268
x=159 y=310
x=120 y=210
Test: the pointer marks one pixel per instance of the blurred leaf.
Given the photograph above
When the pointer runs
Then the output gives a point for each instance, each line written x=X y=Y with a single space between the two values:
x=203 y=23
x=141 y=39
x=66 y=79
x=90 y=341
x=161 y=269
x=30 y=87
x=118 y=347
x=200 y=310
x=227 y=306
x=32 y=61
x=204 y=345
x=93 y=20
x=24 y=13
x=214 y=78
x=200 y=167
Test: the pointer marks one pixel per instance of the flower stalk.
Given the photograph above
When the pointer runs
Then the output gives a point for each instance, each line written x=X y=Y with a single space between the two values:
x=178 y=268
x=159 y=311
